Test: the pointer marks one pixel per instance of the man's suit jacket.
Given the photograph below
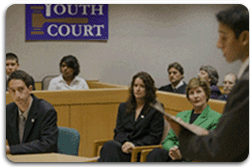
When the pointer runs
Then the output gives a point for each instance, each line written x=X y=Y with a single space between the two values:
x=208 y=119
x=168 y=88
x=223 y=97
x=230 y=140
x=146 y=130
x=41 y=131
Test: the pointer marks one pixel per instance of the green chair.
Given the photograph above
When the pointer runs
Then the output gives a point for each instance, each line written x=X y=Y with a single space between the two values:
x=68 y=141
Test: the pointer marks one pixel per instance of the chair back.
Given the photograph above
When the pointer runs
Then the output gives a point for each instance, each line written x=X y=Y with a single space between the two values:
x=46 y=81
x=165 y=130
x=166 y=127
x=68 y=141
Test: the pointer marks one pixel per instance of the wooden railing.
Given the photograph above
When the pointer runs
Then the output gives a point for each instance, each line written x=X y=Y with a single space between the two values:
x=93 y=84
x=174 y=103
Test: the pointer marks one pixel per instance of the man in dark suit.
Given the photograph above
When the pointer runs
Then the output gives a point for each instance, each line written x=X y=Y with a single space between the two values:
x=230 y=140
x=175 y=74
x=31 y=123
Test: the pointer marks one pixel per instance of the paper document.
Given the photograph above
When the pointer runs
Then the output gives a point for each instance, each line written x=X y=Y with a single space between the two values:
x=192 y=128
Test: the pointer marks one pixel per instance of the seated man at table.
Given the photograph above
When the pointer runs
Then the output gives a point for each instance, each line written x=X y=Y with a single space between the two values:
x=31 y=123
x=175 y=75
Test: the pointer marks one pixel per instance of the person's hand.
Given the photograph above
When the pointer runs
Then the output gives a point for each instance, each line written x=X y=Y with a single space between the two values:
x=175 y=153
x=7 y=149
x=127 y=147
x=176 y=127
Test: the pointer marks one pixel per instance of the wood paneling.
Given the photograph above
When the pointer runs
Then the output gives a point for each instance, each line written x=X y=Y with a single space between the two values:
x=38 y=85
x=63 y=115
x=174 y=103
x=95 y=121
x=93 y=84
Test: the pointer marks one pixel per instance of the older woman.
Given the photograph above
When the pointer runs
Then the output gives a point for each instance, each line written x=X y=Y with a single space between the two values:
x=137 y=123
x=210 y=74
x=68 y=80
x=198 y=93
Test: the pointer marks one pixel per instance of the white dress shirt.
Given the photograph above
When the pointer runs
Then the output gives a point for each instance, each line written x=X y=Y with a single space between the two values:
x=58 y=83
x=177 y=86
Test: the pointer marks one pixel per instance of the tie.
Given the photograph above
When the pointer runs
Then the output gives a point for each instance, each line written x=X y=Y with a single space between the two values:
x=174 y=90
x=21 y=127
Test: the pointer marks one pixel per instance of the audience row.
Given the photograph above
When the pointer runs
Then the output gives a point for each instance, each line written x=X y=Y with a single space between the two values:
x=70 y=68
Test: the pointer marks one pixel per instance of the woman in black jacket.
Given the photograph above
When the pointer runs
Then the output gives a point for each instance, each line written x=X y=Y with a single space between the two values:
x=137 y=123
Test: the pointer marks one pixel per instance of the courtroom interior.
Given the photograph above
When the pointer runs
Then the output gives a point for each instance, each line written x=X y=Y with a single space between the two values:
x=155 y=49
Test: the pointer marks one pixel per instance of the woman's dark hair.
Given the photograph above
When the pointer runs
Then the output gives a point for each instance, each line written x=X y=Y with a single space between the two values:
x=150 y=89
x=71 y=62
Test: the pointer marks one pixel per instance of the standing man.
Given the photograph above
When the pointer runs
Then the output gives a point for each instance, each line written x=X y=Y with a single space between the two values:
x=175 y=75
x=228 y=83
x=12 y=64
x=230 y=140
x=31 y=123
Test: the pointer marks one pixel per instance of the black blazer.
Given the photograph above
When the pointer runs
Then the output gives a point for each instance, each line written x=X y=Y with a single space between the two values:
x=146 y=130
x=168 y=88
x=41 y=131
x=230 y=140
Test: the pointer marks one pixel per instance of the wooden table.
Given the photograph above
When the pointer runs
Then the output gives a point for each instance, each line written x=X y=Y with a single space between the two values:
x=48 y=157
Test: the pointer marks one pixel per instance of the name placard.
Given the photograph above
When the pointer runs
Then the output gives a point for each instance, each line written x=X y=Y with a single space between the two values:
x=48 y=22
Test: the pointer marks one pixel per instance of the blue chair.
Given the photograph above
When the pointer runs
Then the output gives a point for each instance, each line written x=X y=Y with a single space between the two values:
x=68 y=141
